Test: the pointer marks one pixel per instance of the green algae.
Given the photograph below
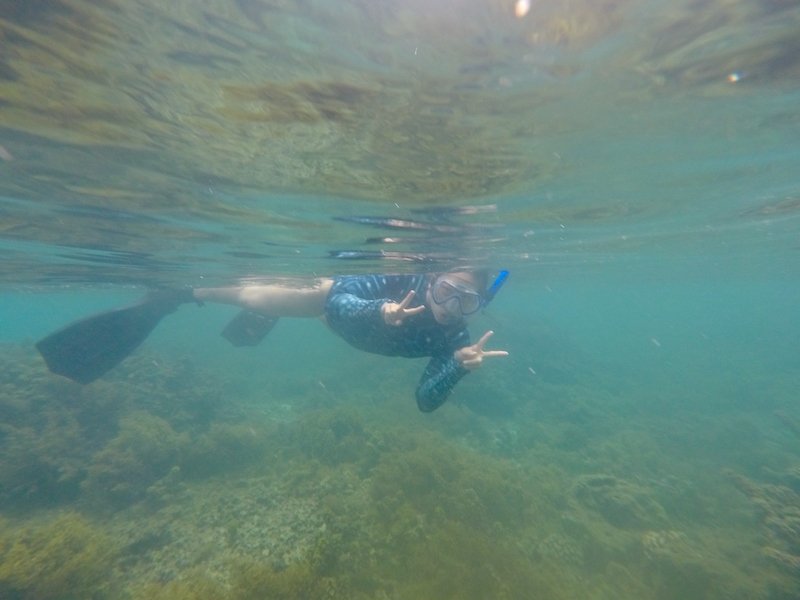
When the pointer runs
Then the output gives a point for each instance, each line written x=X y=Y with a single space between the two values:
x=106 y=444
x=143 y=451
x=208 y=499
x=455 y=562
x=45 y=437
x=295 y=582
x=334 y=437
x=66 y=558
x=194 y=586
x=779 y=508
x=434 y=479
x=213 y=451
x=621 y=503
x=249 y=580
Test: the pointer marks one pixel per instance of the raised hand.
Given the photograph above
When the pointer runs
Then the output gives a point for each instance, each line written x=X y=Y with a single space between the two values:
x=472 y=356
x=394 y=313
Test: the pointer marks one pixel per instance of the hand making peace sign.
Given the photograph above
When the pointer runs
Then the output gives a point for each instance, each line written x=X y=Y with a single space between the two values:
x=471 y=357
x=394 y=313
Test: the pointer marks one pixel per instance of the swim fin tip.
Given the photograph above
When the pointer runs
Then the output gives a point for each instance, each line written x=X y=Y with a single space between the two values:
x=87 y=349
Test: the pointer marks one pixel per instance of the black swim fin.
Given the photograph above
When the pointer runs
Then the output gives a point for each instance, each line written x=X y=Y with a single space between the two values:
x=248 y=328
x=87 y=349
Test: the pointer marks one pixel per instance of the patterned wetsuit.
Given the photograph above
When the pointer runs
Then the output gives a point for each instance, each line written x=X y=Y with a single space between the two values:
x=353 y=310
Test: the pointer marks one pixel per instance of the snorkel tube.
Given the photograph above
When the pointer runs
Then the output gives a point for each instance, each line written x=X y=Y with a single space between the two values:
x=495 y=287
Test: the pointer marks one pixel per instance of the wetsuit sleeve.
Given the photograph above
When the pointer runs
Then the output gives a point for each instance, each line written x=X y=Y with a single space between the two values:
x=438 y=380
x=349 y=308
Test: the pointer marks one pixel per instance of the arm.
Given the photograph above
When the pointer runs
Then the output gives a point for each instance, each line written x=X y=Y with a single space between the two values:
x=350 y=306
x=443 y=372
x=438 y=380
x=342 y=306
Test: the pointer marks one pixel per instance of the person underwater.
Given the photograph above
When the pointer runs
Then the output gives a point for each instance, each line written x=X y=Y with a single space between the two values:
x=407 y=315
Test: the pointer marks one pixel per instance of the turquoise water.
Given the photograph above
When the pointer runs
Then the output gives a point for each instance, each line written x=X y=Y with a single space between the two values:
x=633 y=164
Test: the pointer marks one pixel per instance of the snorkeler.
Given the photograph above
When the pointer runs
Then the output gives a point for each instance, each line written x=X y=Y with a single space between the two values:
x=394 y=315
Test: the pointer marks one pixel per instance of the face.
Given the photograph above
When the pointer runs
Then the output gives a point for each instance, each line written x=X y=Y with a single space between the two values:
x=454 y=296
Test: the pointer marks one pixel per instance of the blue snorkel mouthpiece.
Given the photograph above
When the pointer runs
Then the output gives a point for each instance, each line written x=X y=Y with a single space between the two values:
x=495 y=287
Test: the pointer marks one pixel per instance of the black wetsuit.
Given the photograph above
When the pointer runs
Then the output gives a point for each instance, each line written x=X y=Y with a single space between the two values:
x=353 y=310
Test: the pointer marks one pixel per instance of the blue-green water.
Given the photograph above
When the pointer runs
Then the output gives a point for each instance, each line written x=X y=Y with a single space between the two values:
x=634 y=165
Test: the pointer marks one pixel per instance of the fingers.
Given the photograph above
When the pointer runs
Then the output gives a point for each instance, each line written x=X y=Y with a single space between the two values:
x=407 y=312
x=394 y=313
x=407 y=300
x=484 y=338
x=471 y=357
x=495 y=353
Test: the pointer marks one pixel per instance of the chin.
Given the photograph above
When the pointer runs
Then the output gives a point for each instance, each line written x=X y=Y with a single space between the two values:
x=448 y=319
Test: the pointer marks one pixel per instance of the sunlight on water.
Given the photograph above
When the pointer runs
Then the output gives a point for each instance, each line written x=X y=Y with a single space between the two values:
x=125 y=124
